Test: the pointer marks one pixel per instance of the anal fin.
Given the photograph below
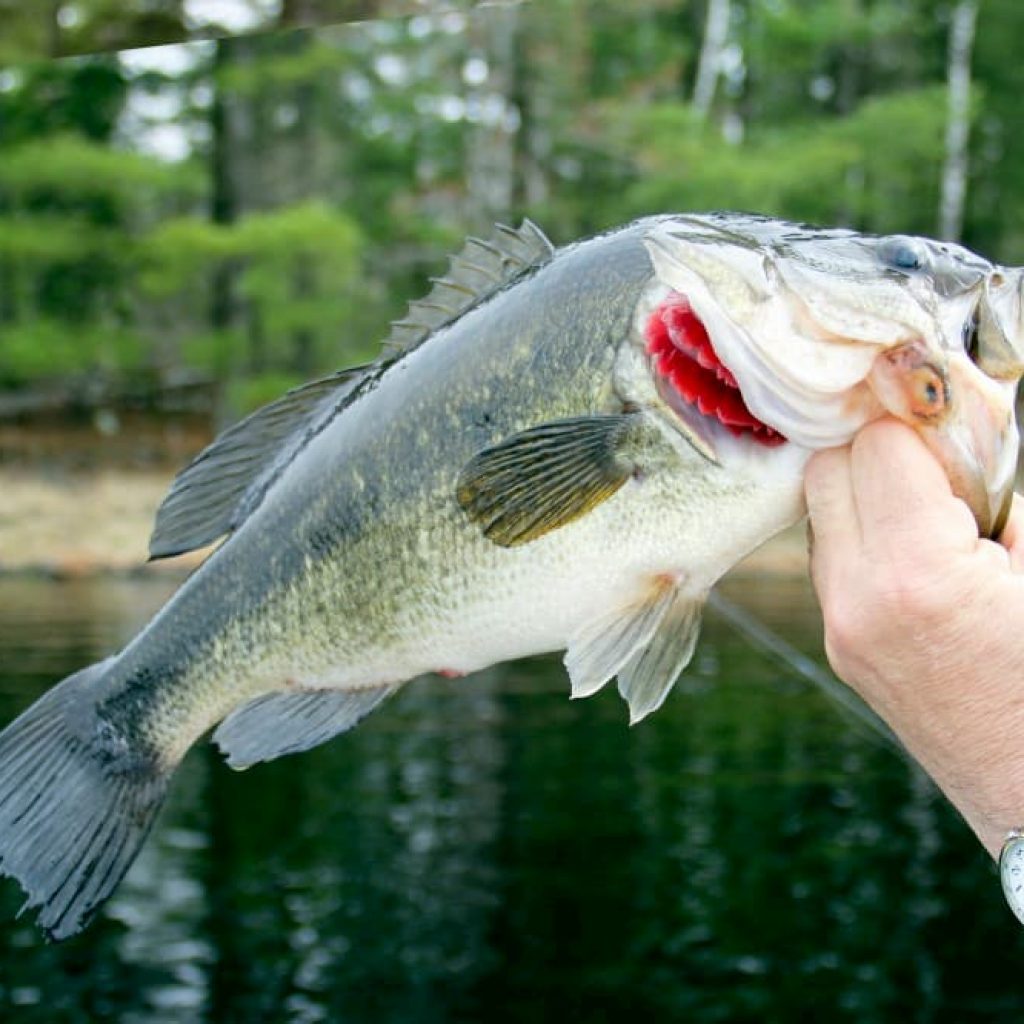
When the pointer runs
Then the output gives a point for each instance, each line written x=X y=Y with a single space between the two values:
x=287 y=723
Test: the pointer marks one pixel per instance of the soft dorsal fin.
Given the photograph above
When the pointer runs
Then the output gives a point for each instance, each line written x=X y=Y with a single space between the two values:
x=479 y=270
x=227 y=480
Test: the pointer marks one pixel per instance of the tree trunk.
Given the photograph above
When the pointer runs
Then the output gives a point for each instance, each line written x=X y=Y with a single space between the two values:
x=490 y=155
x=716 y=32
x=223 y=198
x=954 y=172
x=531 y=139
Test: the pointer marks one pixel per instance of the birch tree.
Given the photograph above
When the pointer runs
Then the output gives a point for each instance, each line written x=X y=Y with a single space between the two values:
x=716 y=31
x=958 y=76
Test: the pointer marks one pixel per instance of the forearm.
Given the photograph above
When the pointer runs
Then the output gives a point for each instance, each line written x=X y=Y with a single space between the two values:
x=924 y=619
x=961 y=718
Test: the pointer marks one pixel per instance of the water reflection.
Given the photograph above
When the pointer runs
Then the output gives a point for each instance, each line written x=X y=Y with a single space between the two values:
x=489 y=850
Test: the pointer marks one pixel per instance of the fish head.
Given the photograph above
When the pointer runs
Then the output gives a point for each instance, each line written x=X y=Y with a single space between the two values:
x=822 y=331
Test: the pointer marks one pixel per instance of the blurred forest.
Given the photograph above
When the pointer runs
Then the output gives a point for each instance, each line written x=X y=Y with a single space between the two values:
x=252 y=208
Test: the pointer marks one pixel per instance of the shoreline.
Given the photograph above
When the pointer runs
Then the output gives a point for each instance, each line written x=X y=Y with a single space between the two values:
x=66 y=524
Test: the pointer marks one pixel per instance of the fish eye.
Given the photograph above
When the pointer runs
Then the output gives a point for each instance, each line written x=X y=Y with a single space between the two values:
x=902 y=253
x=970 y=338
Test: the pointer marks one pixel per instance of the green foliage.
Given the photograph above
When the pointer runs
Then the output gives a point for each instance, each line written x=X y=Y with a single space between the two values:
x=61 y=27
x=180 y=251
x=298 y=270
x=46 y=238
x=875 y=168
x=310 y=229
x=301 y=265
x=329 y=173
x=53 y=97
x=34 y=349
x=34 y=30
x=282 y=68
x=218 y=353
x=68 y=169
x=899 y=140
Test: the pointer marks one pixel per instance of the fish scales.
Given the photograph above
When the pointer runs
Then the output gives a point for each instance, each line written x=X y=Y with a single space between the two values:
x=368 y=499
x=519 y=479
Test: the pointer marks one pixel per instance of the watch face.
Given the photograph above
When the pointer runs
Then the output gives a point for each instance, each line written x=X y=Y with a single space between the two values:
x=1011 y=871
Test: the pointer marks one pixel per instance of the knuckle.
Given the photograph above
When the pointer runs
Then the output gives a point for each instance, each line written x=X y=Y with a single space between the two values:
x=913 y=597
x=849 y=626
x=864 y=612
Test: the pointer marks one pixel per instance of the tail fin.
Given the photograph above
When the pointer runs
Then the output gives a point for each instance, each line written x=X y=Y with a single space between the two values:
x=74 y=806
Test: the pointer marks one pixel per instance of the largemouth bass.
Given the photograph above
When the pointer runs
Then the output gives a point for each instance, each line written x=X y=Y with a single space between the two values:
x=559 y=450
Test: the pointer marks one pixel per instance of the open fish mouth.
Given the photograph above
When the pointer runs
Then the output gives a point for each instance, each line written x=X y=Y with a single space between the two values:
x=964 y=414
x=805 y=335
x=685 y=360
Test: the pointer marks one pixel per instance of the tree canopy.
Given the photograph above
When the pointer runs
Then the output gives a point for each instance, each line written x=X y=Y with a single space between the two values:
x=257 y=206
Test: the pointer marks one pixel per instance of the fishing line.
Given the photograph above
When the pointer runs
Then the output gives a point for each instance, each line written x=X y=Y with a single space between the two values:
x=767 y=640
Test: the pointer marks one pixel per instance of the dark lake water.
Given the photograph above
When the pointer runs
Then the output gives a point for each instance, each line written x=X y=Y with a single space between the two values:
x=487 y=850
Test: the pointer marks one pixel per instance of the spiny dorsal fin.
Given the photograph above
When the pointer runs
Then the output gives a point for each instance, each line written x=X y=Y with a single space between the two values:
x=228 y=479
x=479 y=270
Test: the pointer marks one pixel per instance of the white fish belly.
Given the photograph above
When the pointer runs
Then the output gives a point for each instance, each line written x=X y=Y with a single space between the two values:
x=530 y=599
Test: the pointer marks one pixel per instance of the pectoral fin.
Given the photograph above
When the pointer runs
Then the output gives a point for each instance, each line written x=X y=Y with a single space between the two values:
x=548 y=476
x=647 y=644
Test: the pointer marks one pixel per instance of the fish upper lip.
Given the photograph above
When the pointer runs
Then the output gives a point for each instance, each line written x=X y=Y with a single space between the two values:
x=1002 y=515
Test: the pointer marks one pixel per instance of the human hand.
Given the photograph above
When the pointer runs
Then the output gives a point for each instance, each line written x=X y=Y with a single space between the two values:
x=923 y=618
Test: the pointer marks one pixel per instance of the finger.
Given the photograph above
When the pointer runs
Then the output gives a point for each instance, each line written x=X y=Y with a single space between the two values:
x=904 y=503
x=828 y=487
x=833 y=530
x=1012 y=537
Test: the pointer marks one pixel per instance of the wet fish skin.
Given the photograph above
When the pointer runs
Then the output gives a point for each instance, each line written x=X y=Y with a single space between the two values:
x=367 y=492
x=360 y=568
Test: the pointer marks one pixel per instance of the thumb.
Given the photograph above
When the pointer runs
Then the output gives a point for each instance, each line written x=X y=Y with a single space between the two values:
x=903 y=498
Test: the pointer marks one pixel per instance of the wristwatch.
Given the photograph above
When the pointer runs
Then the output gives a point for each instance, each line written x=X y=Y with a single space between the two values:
x=1011 y=871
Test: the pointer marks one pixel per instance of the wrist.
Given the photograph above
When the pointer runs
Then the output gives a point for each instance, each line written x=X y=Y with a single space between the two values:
x=972 y=750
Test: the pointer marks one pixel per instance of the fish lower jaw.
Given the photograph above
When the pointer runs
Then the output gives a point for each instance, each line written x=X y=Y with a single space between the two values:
x=965 y=417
